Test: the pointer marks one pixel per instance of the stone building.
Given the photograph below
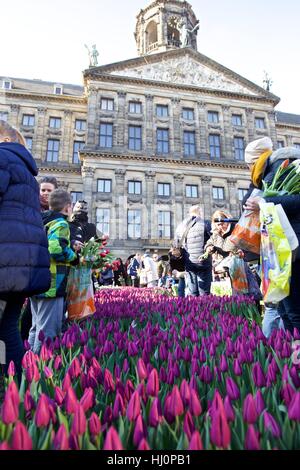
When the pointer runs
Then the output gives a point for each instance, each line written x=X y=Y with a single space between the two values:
x=156 y=134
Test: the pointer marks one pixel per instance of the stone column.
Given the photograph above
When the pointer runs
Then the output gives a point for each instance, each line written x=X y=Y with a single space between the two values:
x=233 y=202
x=179 y=198
x=250 y=124
x=206 y=196
x=88 y=179
x=177 y=150
x=289 y=140
x=202 y=145
x=119 y=202
x=92 y=120
x=40 y=135
x=67 y=141
x=227 y=134
x=150 y=203
x=149 y=132
x=14 y=115
x=121 y=131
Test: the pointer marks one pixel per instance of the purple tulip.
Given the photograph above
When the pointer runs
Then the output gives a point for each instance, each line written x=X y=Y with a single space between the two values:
x=295 y=376
x=139 y=431
x=87 y=400
x=294 y=407
x=152 y=388
x=252 y=439
x=155 y=413
x=229 y=411
x=61 y=441
x=259 y=402
x=185 y=392
x=287 y=393
x=79 y=421
x=134 y=407
x=195 y=405
x=70 y=401
x=271 y=424
x=94 y=425
x=223 y=364
x=237 y=369
x=112 y=440
x=21 y=439
x=258 y=375
x=196 y=441
x=232 y=389
x=250 y=414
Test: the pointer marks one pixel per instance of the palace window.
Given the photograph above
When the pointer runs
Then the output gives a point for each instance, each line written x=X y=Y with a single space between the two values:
x=28 y=141
x=7 y=84
x=218 y=193
x=76 y=196
x=164 y=224
x=164 y=189
x=58 y=89
x=134 y=223
x=104 y=186
x=213 y=117
x=77 y=146
x=28 y=120
x=189 y=143
x=80 y=125
x=3 y=115
x=106 y=135
x=236 y=120
x=52 y=150
x=107 y=104
x=135 y=138
x=297 y=145
x=242 y=193
x=280 y=144
x=239 y=148
x=214 y=145
x=135 y=107
x=260 y=123
x=191 y=190
x=134 y=187
x=162 y=141
x=55 y=122
x=103 y=220
x=188 y=114
x=162 y=110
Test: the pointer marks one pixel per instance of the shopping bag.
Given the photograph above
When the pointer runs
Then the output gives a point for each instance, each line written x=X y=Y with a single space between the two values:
x=246 y=233
x=80 y=293
x=288 y=230
x=237 y=273
x=276 y=256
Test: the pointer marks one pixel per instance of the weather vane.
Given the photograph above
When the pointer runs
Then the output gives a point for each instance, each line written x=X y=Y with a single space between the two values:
x=267 y=81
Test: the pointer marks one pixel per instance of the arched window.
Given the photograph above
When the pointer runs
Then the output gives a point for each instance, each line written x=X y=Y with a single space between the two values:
x=151 y=32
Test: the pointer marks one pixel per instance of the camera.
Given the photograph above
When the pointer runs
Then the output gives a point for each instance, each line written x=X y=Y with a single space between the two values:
x=226 y=220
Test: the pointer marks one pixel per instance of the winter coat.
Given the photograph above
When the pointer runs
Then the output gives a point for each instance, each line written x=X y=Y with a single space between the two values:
x=194 y=242
x=82 y=230
x=176 y=263
x=61 y=254
x=151 y=269
x=24 y=256
x=132 y=268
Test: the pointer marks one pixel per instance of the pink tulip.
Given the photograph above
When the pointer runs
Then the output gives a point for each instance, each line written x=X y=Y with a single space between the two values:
x=141 y=369
x=57 y=363
x=220 y=434
x=195 y=405
x=32 y=373
x=70 y=401
x=61 y=441
x=109 y=384
x=79 y=421
x=11 y=371
x=272 y=425
x=129 y=389
x=119 y=407
x=176 y=406
x=188 y=425
x=134 y=407
x=4 y=446
x=196 y=441
x=152 y=388
x=21 y=439
x=185 y=392
x=259 y=402
x=258 y=375
x=59 y=396
x=232 y=389
x=42 y=413
x=143 y=445
x=48 y=373
x=66 y=382
x=94 y=424
x=74 y=369
x=29 y=403
x=10 y=406
x=112 y=440
x=229 y=411
x=252 y=439
x=139 y=431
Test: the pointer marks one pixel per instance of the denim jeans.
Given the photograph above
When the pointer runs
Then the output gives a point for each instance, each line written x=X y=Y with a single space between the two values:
x=199 y=282
x=181 y=287
x=272 y=320
x=47 y=316
x=10 y=333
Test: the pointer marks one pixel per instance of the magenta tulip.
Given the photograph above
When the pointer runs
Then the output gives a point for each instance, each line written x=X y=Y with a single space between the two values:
x=42 y=413
x=195 y=405
x=252 y=439
x=155 y=414
x=70 y=401
x=271 y=424
x=79 y=421
x=250 y=414
x=112 y=440
x=141 y=369
x=294 y=407
x=87 y=400
x=143 y=445
x=61 y=441
x=134 y=407
x=232 y=389
x=152 y=388
x=196 y=441
x=94 y=424
x=21 y=439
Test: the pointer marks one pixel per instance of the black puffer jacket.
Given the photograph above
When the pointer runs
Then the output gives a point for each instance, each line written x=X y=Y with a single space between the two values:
x=24 y=256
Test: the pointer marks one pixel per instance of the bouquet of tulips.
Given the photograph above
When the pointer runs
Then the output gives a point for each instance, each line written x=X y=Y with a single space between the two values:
x=94 y=254
x=286 y=180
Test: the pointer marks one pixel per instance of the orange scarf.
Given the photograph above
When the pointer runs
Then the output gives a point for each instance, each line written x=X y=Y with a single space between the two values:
x=259 y=168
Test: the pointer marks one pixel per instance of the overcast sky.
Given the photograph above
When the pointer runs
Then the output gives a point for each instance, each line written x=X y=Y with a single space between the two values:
x=45 y=39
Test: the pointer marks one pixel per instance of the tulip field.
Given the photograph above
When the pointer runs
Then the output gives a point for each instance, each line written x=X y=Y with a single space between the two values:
x=150 y=371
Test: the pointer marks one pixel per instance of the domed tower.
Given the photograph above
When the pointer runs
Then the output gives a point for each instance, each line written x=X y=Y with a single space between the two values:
x=165 y=25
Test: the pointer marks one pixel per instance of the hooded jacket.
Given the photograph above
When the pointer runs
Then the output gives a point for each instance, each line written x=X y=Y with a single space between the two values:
x=61 y=254
x=24 y=256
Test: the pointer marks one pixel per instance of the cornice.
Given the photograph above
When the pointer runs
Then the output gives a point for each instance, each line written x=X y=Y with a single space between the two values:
x=142 y=158
x=45 y=97
x=58 y=169
x=183 y=87
x=284 y=125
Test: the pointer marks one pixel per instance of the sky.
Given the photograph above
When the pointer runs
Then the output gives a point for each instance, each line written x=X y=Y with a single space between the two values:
x=44 y=39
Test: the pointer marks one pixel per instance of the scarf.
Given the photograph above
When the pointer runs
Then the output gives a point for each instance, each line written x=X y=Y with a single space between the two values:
x=259 y=168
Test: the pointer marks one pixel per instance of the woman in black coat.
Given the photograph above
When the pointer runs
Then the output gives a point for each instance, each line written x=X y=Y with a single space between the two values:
x=289 y=308
x=24 y=257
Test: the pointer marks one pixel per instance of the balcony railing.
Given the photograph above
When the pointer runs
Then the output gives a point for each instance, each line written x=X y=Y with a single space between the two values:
x=152 y=46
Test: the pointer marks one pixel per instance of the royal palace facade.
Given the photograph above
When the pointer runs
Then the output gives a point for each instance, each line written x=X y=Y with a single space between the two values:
x=146 y=138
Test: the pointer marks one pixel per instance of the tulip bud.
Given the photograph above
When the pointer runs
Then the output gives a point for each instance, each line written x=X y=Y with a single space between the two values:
x=70 y=401
x=42 y=413
x=11 y=369
x=250 y=414
x=61 y=441
x=79 y=421
x=87 y=400
x=232 y=389
x=155 y=414
x=94 y=424
x=139 y=431
x=188 y=425
x=141 y=369
x=294 y=407
x=143 y=445
x=252 y=439
x=134 y=407
x=271 y=425
x=112 y=440
x=196 y=441
x=21 y=439
x=195 y=405
x=152 y=388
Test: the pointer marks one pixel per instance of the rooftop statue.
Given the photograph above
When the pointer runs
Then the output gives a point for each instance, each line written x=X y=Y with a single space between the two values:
x=93 y=55
x=185 y=34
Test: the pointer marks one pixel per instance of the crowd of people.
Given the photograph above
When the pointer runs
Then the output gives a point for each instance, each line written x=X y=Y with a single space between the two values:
x=41 y=235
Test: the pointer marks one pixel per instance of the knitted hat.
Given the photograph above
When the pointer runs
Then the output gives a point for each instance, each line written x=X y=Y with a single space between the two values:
x=80 y=206
x=256 y=148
